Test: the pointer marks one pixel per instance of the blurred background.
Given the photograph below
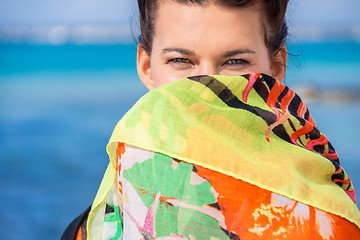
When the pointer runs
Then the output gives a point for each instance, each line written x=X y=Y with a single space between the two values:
x=68 y=74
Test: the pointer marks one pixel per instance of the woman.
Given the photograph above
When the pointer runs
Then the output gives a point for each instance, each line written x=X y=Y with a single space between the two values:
x=215 y=157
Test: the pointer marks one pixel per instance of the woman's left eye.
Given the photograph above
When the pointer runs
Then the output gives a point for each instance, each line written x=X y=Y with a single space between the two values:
x=236 y=61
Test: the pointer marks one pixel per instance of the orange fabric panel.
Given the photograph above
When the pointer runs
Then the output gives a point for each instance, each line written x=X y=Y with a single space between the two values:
x=252 y=212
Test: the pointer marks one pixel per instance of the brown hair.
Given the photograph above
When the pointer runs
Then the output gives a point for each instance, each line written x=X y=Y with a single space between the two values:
x=273 y=12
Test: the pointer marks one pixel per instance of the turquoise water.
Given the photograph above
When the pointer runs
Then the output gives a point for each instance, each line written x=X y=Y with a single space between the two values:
x=59 y=104
x=324 y=64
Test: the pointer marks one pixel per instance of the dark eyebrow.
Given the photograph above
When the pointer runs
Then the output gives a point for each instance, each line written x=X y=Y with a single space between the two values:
x=178 y=50
x=238 y=51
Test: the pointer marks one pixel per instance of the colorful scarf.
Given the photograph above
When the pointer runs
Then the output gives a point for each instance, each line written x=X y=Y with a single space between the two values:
x=250 y=128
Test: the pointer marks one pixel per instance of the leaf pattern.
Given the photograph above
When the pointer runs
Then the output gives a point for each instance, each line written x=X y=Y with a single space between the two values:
x=180 y=201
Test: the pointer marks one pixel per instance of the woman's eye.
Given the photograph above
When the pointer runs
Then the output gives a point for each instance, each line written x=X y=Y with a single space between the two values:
x=179 y=60
x=236 y=61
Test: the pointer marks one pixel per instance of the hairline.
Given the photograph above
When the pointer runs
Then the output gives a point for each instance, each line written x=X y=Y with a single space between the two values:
x=202 y=3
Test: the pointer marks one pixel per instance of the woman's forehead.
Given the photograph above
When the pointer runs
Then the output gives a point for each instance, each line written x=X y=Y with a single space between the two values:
x=209 y=24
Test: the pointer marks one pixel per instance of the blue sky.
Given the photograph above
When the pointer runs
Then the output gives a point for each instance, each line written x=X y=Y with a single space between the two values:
x=325 y=13
x=309 y=16
x=44 y=12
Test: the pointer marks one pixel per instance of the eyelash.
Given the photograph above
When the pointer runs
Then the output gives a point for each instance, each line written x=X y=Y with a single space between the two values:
x=242 y=61
x=179 y=60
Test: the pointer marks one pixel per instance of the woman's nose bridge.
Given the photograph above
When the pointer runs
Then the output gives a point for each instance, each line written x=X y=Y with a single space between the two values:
x=207 y=68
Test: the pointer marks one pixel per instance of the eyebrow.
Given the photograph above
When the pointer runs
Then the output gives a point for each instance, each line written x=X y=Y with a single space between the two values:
x=191 y=53
x=179 y=50
x=237 y=51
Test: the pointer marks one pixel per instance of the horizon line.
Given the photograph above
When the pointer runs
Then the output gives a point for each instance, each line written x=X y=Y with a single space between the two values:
x=112 y=34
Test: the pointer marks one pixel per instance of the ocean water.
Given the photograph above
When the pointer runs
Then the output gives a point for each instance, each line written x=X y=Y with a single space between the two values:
x=59 y=105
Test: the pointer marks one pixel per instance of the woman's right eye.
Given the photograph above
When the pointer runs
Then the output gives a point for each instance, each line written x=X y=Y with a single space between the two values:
x=179 y=60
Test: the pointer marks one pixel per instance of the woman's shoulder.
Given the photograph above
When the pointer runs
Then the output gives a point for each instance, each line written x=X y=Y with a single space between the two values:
x=77 y=228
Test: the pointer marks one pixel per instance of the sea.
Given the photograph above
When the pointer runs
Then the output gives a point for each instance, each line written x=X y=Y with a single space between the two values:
x=60 y=103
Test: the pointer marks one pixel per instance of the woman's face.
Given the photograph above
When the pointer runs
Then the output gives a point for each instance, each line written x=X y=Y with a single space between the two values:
x=194 y=40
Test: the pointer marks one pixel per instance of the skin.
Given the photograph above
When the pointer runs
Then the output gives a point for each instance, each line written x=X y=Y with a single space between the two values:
x=192 y=40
